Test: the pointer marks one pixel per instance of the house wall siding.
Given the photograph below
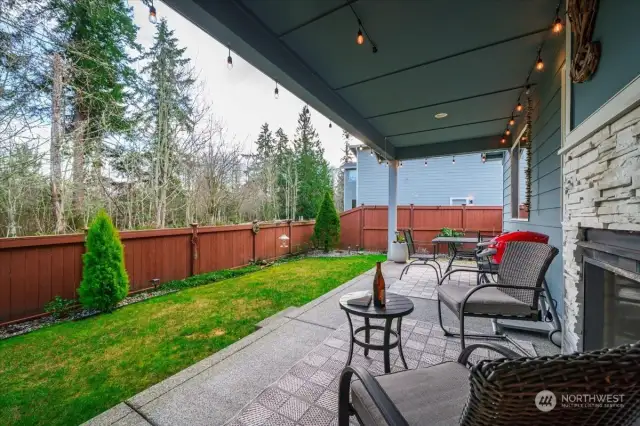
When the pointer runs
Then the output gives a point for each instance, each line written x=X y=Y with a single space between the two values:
x=433 y=185
x=350 y=189
x=545 y=215
x=618 y=32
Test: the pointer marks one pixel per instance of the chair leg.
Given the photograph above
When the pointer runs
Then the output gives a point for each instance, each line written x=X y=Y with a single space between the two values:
x=461 y=334
x=344 y=407
x=444 y=330
x=462 y=331
x=406 y=268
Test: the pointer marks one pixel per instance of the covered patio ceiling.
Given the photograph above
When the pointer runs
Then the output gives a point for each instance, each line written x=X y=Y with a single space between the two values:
x=467 y=58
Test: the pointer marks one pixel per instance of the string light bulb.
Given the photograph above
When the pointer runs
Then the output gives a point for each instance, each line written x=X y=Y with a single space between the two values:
x=330 y=125
x=229 y=59
x=400 y=165
x=519 y=107
x=371 y=153
x=454 y=160
x=360 y=37
x=503 y=140
x=153 y=16
x=512 y=121
x=483 y=157
x=276 y=91
x=557 y=25
x=539 y=64
x=425 y=162
x=507 y=132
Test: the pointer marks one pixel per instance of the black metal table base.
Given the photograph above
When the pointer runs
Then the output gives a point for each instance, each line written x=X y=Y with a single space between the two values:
x=386 y=346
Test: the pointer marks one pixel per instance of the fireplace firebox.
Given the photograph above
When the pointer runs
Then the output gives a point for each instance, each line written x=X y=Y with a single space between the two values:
x=610 y=286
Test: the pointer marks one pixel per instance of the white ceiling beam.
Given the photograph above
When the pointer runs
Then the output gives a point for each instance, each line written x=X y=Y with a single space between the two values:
x=458 y=147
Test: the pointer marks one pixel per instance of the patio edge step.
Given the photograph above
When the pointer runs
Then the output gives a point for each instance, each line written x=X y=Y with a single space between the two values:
x=283 y=313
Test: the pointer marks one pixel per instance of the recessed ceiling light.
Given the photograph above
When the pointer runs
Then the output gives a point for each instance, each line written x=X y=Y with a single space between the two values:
x=441 y=115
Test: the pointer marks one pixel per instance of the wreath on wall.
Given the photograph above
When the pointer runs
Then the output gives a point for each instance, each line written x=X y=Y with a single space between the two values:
x=586 y=56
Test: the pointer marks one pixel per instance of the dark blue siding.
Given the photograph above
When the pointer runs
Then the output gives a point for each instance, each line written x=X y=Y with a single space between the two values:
x=546 y=180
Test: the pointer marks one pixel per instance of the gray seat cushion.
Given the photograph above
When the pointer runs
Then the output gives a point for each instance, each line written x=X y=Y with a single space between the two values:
x=489 y=300
x=434 y=395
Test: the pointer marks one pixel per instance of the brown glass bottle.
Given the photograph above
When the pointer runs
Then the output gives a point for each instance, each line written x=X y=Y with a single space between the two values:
x=379 y=295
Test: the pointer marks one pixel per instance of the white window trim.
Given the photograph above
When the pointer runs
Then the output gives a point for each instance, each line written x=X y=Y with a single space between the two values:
x=466 y=199
x=515 y=176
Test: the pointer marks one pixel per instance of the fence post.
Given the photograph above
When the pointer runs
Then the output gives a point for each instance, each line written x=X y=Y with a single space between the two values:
x=362 y=226
x=194 y=249
x=411 y=216
x=254 y=233
x=290 y=236
x=464 y=219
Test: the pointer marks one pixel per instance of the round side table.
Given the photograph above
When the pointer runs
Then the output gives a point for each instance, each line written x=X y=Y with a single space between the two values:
x=396 y=307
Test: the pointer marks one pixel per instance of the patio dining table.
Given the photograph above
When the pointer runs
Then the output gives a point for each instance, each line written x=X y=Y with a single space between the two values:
x=453 y=243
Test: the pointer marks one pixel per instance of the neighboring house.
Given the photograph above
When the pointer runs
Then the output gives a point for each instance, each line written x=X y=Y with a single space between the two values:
x=438 y=183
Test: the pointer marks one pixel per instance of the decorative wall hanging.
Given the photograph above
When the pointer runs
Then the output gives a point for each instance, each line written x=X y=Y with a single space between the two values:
x=582 y=14
x=527 y=146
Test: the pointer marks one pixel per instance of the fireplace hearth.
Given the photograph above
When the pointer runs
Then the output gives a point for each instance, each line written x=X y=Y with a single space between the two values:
x=610 y=287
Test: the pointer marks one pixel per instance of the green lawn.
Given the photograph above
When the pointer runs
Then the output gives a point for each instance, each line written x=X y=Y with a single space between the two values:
x=66 y=374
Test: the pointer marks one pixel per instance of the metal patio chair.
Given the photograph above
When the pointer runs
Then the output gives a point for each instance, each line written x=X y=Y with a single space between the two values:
x=500 y=392
x=415 y=257
x=519 y=282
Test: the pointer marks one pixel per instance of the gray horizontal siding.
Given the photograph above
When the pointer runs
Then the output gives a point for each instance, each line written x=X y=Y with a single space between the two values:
x=434 y=184
x=546 y=178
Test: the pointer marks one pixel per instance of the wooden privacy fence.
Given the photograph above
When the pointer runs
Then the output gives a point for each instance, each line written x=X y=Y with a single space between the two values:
x=33 y=270
x=366 y=226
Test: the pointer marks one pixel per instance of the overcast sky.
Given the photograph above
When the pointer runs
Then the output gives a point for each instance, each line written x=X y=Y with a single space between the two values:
x=241 y=98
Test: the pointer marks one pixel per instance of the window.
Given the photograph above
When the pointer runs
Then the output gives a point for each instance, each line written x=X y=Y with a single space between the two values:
x=351 y=175
x=519 y=181
x=461 y=201
x=353 y=204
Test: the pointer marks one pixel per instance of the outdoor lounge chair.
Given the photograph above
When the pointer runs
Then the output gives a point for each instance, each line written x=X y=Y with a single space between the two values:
x=415 y=257
x=519 y=282
x=501 y=392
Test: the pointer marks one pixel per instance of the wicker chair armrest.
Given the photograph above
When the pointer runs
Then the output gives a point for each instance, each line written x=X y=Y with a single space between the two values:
x=453 y=271
x=506 y=352
x=380 y=398
x=486 y=252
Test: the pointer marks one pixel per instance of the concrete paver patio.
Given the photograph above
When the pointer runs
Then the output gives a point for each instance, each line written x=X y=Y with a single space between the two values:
x=286 y=372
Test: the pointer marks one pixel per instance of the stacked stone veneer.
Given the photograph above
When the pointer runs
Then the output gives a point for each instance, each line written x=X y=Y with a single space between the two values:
x=601 y=190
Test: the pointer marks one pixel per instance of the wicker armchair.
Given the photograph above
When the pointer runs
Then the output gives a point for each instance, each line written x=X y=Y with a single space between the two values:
x=415 y=257
x=502 y=392
x=520 y=280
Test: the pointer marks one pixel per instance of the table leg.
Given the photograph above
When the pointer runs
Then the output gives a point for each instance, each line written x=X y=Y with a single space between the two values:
x=351 y=340
x=387 y=334
x=453 y=257
x=399 y=324
x=366 y=335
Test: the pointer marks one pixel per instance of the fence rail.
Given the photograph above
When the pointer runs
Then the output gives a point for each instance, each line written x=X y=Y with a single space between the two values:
x=366 y=226
x=33 y=270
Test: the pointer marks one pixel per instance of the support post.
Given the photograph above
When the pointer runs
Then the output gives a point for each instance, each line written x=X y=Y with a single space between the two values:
x=392 y=211
x=290 y=236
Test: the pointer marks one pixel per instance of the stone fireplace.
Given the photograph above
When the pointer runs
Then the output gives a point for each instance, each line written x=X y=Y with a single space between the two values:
x=601 y=242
